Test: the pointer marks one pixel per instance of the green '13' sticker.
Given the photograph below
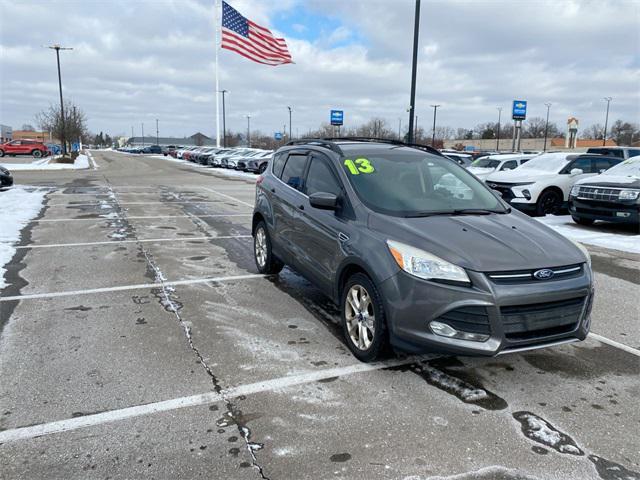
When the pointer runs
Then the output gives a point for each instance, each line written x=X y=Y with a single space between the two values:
x=360 y=165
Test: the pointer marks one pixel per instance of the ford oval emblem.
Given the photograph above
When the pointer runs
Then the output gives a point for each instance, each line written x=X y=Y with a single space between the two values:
x=543 y=274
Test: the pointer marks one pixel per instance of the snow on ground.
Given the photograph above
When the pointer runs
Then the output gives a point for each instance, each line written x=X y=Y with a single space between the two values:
x=18 y=206
x=598 y=234
x=46 y=164
x=224 y=171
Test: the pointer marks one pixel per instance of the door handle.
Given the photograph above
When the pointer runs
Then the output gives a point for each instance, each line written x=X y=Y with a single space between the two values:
x=343 y=237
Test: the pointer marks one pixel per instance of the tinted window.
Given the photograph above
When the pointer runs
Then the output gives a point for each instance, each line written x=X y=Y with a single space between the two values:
x=278 y=164
x=510 y=165
x=524 y=160
x=321 y=179
x=293 y=171
x=633 y=153
x=605 y=163
x=583 y=164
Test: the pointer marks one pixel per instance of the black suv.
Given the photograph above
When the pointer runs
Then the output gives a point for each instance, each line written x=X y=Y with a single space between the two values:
x=417 y=251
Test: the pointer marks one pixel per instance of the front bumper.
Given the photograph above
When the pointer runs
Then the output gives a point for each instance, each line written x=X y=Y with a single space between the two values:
x=620 y=211
x=515 y=317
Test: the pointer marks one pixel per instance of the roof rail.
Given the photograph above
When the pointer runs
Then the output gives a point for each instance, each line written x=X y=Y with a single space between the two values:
x=323 y=142
x=390 y=141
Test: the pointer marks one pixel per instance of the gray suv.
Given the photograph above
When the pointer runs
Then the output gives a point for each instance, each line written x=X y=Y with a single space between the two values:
x=417 y=252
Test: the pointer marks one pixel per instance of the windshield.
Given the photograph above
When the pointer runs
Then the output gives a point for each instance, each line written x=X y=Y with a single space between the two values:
x=551 y=162
x=406 y=182
x=628 y=168
x=486 y=163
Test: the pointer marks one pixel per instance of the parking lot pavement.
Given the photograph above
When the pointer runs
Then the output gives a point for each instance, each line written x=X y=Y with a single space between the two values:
x=138 y=340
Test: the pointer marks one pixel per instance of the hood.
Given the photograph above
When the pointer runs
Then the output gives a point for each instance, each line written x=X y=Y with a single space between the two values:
x=520 y=176
x=481 y=173
x=605 y=180
x=484 y=243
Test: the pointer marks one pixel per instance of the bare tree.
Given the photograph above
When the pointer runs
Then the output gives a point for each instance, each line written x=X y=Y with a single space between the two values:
x=445 y=133
x=593 y=132
x=28 y=127
x=624 y=133
x=75 y=122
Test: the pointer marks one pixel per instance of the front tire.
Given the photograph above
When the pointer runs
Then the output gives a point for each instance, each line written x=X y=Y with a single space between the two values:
x=582 y=220
x=363 y=319
x=1 y=153
x=266 y=262
x=548 y=203
x=36 y=154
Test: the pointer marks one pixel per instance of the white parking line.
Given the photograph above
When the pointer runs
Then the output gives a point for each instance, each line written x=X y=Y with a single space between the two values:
x=96 y=204
x=116 y=242
x=139 y=286
x=70 y=424
x=97 y=219
x=228 y=196
x=613 y=343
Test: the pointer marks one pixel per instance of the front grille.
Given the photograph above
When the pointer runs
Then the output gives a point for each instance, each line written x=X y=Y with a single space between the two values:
x=599 y=193
x=468 y=319
x=522 y=322
x=503 y=188
x=526 y=276
x=596 y=211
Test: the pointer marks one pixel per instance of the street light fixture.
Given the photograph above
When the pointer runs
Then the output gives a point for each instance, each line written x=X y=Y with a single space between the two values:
x=606 y=122
x=546 y=127
x=433 y=137
x=57 y=48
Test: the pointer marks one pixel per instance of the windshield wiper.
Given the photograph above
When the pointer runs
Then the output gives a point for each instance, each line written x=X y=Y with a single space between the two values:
x=458 y=211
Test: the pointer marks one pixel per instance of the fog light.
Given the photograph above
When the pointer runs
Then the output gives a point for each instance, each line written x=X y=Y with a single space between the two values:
x=448 y=331
x=443 y=329
x=527 y=194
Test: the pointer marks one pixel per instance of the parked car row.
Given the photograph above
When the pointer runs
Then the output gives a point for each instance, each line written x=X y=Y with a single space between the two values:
x=243 y=159
x=148 y=149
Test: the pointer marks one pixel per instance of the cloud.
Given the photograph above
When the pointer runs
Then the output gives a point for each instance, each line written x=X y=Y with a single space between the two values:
x=134 y=62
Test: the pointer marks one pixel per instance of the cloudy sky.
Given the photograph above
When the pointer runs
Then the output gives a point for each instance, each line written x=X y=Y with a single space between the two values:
x=135 y=61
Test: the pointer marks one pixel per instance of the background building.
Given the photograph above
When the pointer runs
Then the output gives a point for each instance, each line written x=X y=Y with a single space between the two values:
x=6 y=134
x=197 y=139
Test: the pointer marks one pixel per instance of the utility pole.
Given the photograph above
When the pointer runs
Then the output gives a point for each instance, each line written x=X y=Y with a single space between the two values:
x=606 y=122
x=142 y=134
x=289 y=123
x=433 y=137
x=400 y=129
x=546 y=127
x=224 y=121
x=415 y=135
x=131 y=134
x=498 y=136
x=248 y=130
x=414 y=69
x=57 y=48
x=157 y=134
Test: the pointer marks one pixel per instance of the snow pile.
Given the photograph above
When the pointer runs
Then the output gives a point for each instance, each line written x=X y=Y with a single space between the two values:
x=47 y=163
x=18 y=206
x=597 y=234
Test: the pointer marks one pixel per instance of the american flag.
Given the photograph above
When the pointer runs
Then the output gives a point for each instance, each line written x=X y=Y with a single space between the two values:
x=251 y=40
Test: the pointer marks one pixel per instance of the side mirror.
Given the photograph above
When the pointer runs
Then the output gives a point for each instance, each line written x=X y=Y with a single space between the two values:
x=576 y=171
x=323 y=201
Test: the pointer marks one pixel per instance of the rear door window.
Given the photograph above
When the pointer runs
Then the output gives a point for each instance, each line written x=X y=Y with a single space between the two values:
x=510 y=165
x=293 y=172
x=583 y=164
x=321 y=178
x=278 y=164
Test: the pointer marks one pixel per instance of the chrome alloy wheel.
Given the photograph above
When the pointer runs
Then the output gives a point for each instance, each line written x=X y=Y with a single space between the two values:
x=260 y=246
x=360 y=317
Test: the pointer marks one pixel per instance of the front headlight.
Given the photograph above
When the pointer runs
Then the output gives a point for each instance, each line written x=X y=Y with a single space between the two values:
x=584 y=250
x=628 y=194
x=425 y=265
x=575 y=190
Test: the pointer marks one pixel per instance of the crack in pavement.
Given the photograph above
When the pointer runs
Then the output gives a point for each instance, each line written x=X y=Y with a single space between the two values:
x=170 y=304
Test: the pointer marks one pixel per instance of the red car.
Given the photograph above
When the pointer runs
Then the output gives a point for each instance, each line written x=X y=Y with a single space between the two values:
x=24 y=147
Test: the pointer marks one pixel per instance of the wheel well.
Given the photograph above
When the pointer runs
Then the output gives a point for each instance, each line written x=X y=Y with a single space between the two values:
x=257 y=218
x=346 y=273
x=558 y=190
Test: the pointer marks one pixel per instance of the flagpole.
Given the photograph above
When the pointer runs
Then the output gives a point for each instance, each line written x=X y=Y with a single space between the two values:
x=217 y=3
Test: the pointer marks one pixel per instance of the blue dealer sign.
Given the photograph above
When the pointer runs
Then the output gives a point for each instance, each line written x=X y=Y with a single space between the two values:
x=337 y=117
x=519 y=110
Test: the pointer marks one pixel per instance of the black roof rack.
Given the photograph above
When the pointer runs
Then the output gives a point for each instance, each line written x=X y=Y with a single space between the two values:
x=329 y=142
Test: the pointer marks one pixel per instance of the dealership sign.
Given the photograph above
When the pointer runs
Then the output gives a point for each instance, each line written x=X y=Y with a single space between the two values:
x=519 y=110
x=337 y=117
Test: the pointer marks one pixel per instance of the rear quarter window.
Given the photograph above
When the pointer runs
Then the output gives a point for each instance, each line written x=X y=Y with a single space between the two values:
x=293 y=172
x=278 y=164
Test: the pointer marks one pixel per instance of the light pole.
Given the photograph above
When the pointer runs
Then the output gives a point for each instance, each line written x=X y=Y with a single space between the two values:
x=415 y=135
x=131 y=134
x=248 y=130
x=57 y=48
x=546 y=127
x=498 y=134
x=414 y=69
x=142 y=124
x=157 y=134
x=606 y=121
x=433 y=137
x=224 y=120
x=289 y=123
x=400 y=129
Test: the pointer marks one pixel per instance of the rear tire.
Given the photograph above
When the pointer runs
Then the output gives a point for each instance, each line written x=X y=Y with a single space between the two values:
x=363 y=319
x=582 y=220
x=1 y=153
x=36 y=153
x=266 y=262
x=549 y=202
